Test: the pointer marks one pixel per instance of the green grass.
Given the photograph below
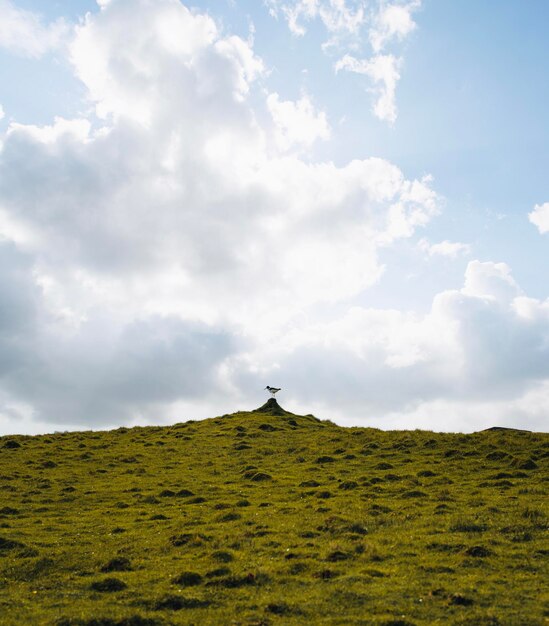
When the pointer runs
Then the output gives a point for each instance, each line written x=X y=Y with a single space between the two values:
x=272 y=518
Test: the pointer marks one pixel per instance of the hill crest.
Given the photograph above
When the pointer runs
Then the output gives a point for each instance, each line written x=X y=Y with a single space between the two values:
x=265 y=516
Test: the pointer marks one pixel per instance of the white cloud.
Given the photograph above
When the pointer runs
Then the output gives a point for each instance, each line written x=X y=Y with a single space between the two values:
x=527 y=410
x=340 y=17
x=154 y=249
x=59 y=131
x=480 y=357
x=307 y=9
x=444 y=248
x=297 y=123
x=24 y=32
x=393 y=21
x=349 y=23
x=165 y=264
x=384 y=71
x=2 y=114
x=540 y=217
x=490 y=280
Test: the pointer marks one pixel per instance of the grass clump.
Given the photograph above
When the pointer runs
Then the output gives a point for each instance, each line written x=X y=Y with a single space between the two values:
x=188 y=579
x=177 y=603
x=118 y=564
x=108 y=585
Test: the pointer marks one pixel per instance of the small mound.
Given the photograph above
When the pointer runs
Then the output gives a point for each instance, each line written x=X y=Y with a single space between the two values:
x=134 y=620
x=496 y=429
x=11 y=444
x=257 y=476
x=222 y=556
x=108 y=585
x=478 y=552
x=188 y=579
x=271 y=407
x=269 y=428
x=9 y=544
x=176 y=603
x=278 y=608
x=8 y=510
x=235 y=582
x=118 y=564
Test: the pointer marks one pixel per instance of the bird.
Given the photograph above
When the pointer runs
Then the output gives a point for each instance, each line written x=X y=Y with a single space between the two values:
x=272 y=390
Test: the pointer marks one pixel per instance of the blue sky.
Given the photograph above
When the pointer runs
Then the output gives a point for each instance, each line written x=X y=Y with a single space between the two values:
x=372 y=280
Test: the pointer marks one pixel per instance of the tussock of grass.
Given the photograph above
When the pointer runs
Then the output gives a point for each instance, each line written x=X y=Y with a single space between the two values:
x=272 y=518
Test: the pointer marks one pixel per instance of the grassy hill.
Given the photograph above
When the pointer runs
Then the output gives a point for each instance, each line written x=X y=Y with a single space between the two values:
x=266 y=517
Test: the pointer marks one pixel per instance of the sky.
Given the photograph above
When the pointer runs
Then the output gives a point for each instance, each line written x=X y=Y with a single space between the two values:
x=347 y=199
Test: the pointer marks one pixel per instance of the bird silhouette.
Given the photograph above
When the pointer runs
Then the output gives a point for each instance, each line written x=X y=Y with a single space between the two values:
x=272 y=390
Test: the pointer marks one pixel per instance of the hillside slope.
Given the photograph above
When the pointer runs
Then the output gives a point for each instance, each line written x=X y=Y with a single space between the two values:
x=266 y=517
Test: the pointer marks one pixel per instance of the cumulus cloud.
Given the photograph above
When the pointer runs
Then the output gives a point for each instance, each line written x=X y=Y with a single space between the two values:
x=297 y=123
x=490 y=280
x=393 y=21
x=384 y=71
x=340 y=17
x=527 y=410
x=161 y=262
x=540 y=217
x=480 y=354
x=349 y=24
x=157 y=245
x=446 y=248
x=25 y=33
x=98 y=371
x=384 y=22
x=183 y=57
